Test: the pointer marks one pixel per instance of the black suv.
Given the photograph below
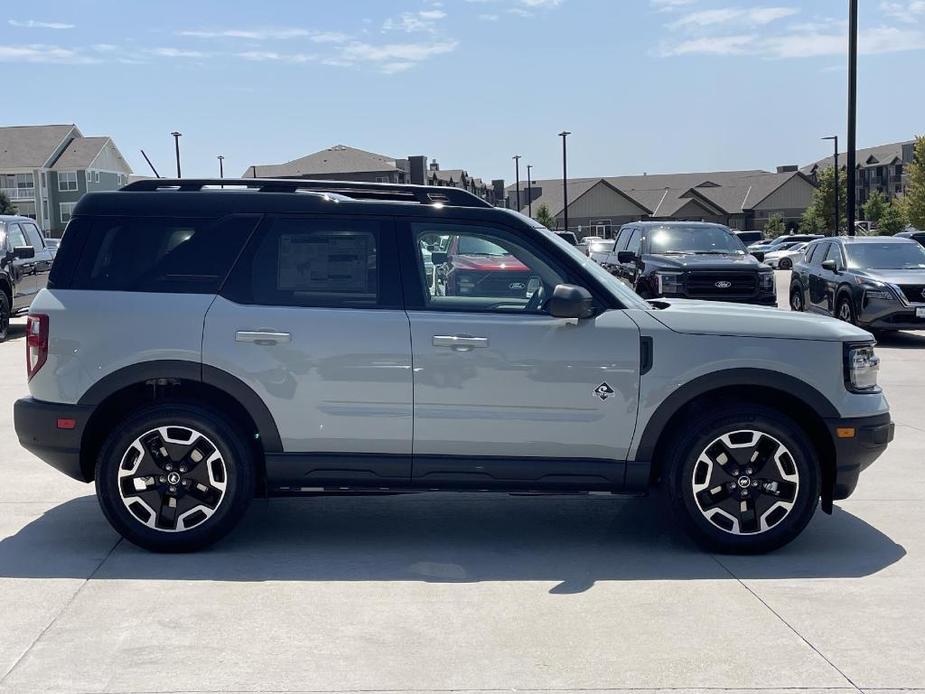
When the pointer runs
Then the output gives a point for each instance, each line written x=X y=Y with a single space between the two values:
x=24 y=266
x=691 y=260
x=873 y=282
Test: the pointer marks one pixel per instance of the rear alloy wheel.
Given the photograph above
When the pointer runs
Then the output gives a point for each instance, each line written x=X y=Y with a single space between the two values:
x=796 y=299
x=744 y=480
x=4 y=316
x=174 y=478
x=844 y=311
x=785 y=264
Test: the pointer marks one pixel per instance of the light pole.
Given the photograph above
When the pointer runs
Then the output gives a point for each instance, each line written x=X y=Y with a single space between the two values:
x=221 y=166
x=837 y=215
x=564 y=134
x=176 y=142
x=516 y=159
x=529 y=191
x=852 y=113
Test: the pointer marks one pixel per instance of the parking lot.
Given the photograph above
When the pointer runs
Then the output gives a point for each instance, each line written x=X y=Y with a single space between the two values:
x=466 y=593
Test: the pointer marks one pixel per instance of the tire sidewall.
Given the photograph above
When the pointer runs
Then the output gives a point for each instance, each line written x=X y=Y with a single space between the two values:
x=845 y=301
x=239 y=468
x=5 y=313
x=785 y=264
x=796 y=292
x=702 y=432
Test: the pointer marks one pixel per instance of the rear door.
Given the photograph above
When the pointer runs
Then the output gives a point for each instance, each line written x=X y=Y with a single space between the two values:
x=311 y=319
x=829 y=279
x=42 y=260
x=21 y=269
x=505 y=394
x=814 y=279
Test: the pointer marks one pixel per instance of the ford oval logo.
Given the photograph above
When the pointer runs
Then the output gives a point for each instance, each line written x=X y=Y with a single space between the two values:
x=517 y=285
x=923 y=293
x=722 y=284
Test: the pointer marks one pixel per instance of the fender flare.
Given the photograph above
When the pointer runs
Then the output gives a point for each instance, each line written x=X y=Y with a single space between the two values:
x=701 y=385
x=191 y=371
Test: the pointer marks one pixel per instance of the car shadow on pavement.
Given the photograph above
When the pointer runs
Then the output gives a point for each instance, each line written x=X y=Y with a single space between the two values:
x=902 y=340
x=17 y=330
x=446 y=538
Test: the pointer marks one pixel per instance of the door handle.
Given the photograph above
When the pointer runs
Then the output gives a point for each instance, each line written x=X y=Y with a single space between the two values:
x=460 y=343
x=262 y=337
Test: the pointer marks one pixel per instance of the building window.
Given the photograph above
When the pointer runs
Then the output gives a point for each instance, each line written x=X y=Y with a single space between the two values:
x=67 y=181
x=899 y=172
x=382 y=179
x=96 y=176
x=89 y=176
x=66 y=209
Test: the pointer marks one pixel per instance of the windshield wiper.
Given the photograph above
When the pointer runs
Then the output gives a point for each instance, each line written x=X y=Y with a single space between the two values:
x=713 y=252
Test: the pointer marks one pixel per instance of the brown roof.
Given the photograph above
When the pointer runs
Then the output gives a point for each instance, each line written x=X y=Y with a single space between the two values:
x=31 y=146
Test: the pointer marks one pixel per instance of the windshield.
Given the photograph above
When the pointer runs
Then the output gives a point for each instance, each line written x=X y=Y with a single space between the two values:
x=694 y=239
x=601 y=246
x=885 y=256
x=472 y=245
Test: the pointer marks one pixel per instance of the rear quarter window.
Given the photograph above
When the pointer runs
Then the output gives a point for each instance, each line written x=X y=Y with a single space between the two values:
x=164 y=255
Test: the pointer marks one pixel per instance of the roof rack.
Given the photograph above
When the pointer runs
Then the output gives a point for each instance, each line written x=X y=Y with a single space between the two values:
x=357 y=190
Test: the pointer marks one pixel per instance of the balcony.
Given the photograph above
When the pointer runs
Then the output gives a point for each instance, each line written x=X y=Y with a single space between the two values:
x=18 y=193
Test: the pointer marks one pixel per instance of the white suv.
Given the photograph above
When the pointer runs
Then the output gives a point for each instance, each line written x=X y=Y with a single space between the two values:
x=198 y=345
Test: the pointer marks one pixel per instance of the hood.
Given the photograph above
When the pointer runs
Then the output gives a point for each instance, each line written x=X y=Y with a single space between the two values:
x=691 y=261
x=895 y=276
x=722 y=318
x=489 y=263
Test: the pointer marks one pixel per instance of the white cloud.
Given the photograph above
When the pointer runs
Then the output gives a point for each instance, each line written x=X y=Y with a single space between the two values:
x=424 y=20
x=669 y=5
x=33 y=24
x=396 y=52
x=908 y=12
x=266 y=34
x=753 y=16
x=42 y=53
x=329 y=37
x=178 y=53
x=261 y=56
x=489 y=17
x=395 y=68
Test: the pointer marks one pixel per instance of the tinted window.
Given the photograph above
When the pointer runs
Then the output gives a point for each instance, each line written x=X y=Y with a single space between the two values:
x=819 y=251
x=16 y=236
x=310 y=262
x=161 y=255
x=834 y=253
x=886 y=256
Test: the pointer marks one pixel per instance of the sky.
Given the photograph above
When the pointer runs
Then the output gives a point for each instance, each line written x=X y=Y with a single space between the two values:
x=645 y=86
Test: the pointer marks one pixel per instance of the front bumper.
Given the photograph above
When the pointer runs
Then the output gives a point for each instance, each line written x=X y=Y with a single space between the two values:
x=869 y=437
x=888 y=314
x=38 y=426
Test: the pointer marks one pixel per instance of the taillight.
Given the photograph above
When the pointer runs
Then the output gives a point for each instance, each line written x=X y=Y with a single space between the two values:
x=36 y=343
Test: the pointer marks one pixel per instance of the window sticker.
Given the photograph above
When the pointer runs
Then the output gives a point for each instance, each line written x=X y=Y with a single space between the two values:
x=319 y=262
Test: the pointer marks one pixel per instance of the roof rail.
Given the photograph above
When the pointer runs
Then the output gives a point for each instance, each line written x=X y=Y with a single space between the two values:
x=357 y=190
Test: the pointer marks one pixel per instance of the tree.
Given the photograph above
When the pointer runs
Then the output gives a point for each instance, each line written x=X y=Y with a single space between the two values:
x=6 y=207
x=874 y=208
x=823 y=204
x=893 y=220
x=544 y=217
x=775 y=226
x=810 y=223
x=914 y=199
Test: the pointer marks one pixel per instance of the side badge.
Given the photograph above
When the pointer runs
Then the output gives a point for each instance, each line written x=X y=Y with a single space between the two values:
x=604 y=391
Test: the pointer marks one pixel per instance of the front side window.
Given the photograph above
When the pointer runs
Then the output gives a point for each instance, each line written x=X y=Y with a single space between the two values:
x=635 y=241
x=67 y=181
x=834 y=254
x=35 y=238
x=886 y=256
x=481 y=269
x=312 y=263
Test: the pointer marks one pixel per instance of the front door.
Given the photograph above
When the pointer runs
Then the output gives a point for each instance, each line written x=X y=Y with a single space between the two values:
x=41 y=267
x=505 y=394
x=22 y=270
x=311 y=320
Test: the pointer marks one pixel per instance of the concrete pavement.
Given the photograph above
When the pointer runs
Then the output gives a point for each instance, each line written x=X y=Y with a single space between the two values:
x=465 y=592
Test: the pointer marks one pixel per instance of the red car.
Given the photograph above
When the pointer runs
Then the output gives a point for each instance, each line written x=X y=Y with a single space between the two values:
x=478 y=267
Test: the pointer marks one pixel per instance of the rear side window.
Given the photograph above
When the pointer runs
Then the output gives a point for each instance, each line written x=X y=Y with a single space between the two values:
x=17 y=236
x=313 y=262
x=166 y=255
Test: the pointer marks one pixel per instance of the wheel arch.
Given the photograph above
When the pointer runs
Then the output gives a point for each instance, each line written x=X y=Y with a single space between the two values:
x=798 y=400
x=122 y=391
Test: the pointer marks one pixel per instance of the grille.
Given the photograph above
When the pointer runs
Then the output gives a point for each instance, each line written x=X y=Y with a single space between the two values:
x=913 y=293
x=495 y=283
x=741 y=284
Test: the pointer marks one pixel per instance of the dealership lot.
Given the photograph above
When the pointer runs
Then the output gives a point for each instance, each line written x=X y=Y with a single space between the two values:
x=463 y=592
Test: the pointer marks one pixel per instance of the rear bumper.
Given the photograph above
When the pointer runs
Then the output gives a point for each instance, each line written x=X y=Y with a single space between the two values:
x=37 y=426
x=856 y=452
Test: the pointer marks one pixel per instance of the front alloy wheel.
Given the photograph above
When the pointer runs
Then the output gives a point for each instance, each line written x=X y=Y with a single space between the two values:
x=796 y=299
x=4 y=316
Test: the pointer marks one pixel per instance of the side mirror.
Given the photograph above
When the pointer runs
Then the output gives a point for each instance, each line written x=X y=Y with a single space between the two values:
x=759 y=256
x=626 y=257
x=23 y=252
x=830 y=265
x=439 y=257
x=570 y=301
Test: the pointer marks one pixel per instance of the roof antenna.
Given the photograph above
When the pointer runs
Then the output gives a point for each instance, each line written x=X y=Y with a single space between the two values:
x=156 y=174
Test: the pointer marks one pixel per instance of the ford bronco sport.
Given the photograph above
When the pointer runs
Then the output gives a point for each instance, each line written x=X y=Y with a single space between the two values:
x=197 y=346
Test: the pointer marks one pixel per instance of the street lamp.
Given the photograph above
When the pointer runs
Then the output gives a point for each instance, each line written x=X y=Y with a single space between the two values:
x=516 y=159
x=221 y=166
x=176 y=142
x=837 y=216
x=529 y=191
x=564 y=134
x=852 y=112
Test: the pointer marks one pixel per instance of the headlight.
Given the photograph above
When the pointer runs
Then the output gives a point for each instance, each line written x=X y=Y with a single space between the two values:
x=668 y=282
x=766 y=282
x=878 y=294
x=861 y=368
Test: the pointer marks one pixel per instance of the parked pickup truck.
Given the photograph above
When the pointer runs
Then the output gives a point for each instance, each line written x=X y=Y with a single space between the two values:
x=24 y=266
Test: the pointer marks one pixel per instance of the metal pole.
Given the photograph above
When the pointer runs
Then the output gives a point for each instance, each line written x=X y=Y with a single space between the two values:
x=837 y=215
x=852 y=113
x=156 y=174
x=564 y=134
x=529 y=192
x=516 y=159
x=221 y=166
x=176 y=141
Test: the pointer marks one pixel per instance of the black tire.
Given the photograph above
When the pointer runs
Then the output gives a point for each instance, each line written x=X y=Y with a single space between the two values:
x=211 y=496
x=785 y=264
x=796 y=298
x=844 y=310
x=4 y=315
x=791 y=465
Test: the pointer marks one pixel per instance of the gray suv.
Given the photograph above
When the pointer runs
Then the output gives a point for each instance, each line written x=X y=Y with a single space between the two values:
x=199 y=345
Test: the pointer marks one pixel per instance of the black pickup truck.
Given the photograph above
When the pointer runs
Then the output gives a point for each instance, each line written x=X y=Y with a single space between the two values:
x=24 y=266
